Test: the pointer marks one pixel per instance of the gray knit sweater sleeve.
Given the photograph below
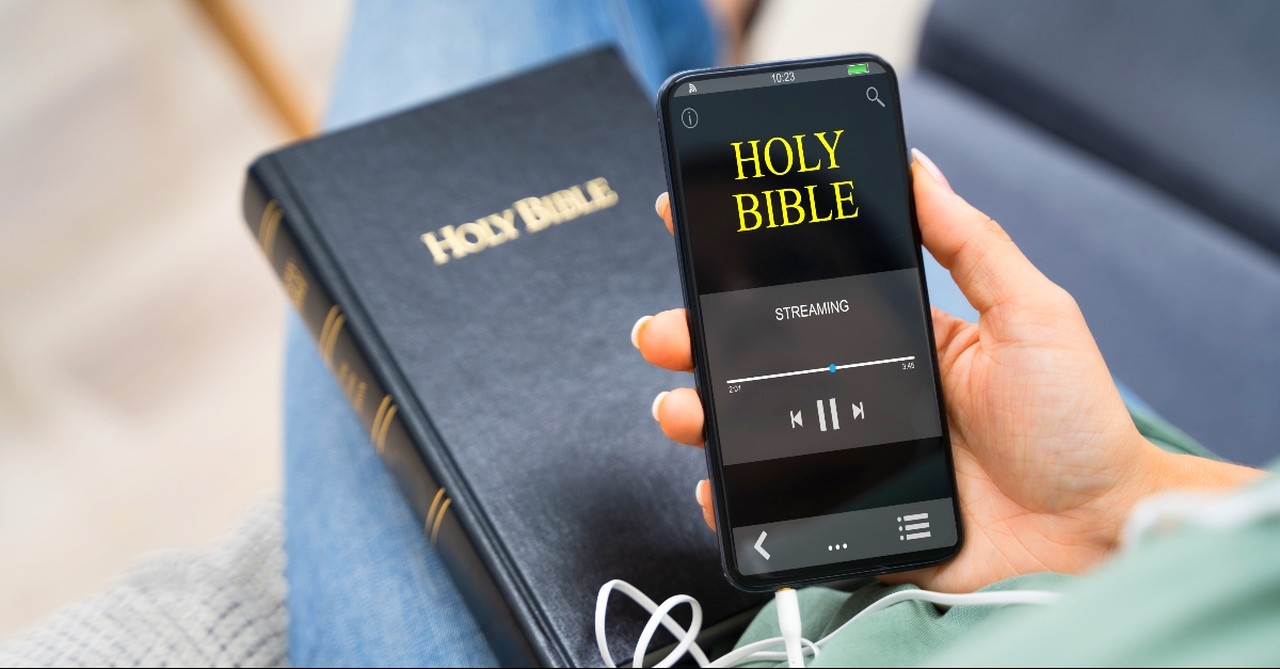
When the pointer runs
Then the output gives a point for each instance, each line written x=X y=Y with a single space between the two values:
x=223 y=607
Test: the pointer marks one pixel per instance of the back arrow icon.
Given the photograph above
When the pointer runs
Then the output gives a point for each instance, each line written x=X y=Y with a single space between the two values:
x=760 y=545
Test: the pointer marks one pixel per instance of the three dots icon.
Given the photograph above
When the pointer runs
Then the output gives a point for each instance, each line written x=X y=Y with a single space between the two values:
x=837 y=547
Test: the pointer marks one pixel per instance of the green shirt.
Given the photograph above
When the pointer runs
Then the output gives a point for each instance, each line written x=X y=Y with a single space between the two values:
x=1188 y=597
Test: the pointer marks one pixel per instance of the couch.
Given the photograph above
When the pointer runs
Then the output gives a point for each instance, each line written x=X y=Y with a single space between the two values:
x=1133 y=151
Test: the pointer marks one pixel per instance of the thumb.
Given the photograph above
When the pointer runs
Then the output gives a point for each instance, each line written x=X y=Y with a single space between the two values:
x=985 y=263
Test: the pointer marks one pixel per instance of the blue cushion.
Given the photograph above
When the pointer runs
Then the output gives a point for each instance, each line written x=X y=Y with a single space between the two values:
x=1186 y=316
x=1182 y=93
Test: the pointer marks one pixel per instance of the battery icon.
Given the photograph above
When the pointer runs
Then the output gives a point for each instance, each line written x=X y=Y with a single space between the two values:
x=859 y=68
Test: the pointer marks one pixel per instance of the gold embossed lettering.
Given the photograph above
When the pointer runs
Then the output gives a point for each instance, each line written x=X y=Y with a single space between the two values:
x=295 y=285
x=439 y=246
x=569 y=204
x=505 y=224
x=535 y=214
x=463 y=237
x=602 y=196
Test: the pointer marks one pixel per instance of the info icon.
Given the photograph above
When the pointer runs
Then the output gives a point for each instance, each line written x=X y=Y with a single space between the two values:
x=689 y=117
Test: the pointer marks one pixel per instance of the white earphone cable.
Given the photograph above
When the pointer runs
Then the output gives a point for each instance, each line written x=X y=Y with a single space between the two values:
x=1197 y=509
x=791 y=646
x=1201 y=509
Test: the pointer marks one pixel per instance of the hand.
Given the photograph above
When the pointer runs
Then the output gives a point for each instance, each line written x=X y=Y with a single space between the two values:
x=1048 y=461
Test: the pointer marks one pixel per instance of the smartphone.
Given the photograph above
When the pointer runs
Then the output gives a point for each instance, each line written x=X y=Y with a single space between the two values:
x=800 y=259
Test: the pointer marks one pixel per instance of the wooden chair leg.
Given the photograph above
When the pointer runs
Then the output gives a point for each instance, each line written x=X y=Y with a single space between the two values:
x=231 y=24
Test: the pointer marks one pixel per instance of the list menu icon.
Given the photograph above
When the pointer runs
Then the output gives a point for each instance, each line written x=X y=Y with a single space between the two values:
x=914 y=526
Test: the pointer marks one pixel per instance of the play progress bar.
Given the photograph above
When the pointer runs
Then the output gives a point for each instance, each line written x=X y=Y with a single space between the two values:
x=830 y=369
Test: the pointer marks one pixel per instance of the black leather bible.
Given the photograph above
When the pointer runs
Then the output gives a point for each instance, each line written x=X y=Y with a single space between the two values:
x=471 y=270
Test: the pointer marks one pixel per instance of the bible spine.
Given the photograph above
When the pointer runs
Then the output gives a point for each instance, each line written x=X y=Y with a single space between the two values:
x=345 y=348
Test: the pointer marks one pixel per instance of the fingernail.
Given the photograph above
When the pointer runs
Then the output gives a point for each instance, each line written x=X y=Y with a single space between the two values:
x=658 y=401
x=635 y=330
x=660 y=204
x=931 y=168
x=697 y=491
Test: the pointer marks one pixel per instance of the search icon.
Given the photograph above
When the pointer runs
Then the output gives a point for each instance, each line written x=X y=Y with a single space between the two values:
x=874 y=95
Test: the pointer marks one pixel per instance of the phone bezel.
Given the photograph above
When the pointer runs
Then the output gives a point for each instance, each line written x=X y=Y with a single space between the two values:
x=837 y=571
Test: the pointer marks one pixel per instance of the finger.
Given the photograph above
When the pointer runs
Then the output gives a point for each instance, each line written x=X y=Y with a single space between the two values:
x=663 y=207
x=663 y=340
x=703 y=493
x=679 y=413
x=985 y=263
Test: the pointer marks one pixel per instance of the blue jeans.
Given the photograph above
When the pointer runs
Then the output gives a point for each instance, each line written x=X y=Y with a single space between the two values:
x=365 y=587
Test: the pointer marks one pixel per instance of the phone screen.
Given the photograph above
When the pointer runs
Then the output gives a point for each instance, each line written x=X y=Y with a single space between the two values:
x=812 y=339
